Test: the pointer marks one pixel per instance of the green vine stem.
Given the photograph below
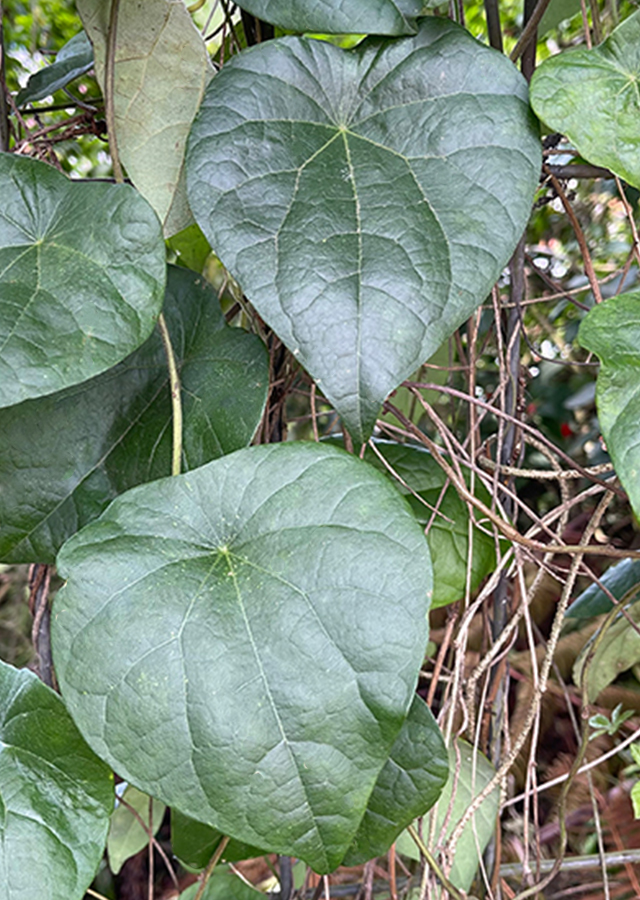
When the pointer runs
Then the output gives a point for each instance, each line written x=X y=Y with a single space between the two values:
x=431 y=862
x=213 y=862
x=109 y=82
x=176 y=402
x=174 y=378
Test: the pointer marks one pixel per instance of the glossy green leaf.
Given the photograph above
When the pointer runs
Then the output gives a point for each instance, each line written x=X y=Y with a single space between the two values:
x=63 y=458
x=618 y=579
x=82 y=276
x=592 y=97
x=127 y=836
x=474 y=773
x=73 y=60
x=223 y=885
x=393 y=17
x=408 y=785
x=616 y=652
x=194 y=843
x=448 y=535
x=612 y=331
x=161 y=70
x=55 y=795
x=367 y=199
x=266 y=618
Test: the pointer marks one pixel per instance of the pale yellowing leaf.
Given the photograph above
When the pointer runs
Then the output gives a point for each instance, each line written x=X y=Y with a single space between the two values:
x=161 y=70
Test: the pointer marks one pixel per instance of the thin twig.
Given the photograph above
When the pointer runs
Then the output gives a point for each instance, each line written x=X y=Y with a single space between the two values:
x=151 y=879
x=208 y=872
x=314 y=414
x=577 y=863
x=630 y=217
x=508 y=530
x=586 y=256
x=496 y=411
x=157 y=845
x=5 y=130
x=39 y=582
x=431 y=861
x=530 y=30
x=553 y=641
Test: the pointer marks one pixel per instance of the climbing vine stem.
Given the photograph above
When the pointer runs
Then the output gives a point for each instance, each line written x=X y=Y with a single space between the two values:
x=176 y=402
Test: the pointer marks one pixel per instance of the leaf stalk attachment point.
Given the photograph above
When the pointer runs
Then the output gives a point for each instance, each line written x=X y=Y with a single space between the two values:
x=109 y=100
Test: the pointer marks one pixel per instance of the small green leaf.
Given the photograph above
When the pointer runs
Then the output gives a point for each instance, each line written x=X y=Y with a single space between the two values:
x=612 y=330
x=73 y=60
x=592 y=97
x=63 y=458
x=408 y=785
x=635 y=799
x=194 y=843
x=82 y=277
x=266 y=622
x=55 y=795
x=127 y=836
x=446 y=515
x=161 y=70
x=475 y=772
x=223 y=885
x=618 y=650
x=393 y=17
x=602 y=725
x=366 y=200
x=619 y=579
x=635 y=753
x=191 y=248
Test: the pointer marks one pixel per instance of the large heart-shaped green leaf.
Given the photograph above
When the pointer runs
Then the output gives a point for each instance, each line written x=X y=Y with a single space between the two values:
x=266 y=618
x=366 y=200
x=408 y=785
x=592 y=97
x=55 y=795
x=82 y=276
x=612 y=330
x=73 y=60
x=63 y=458
x=161 y=70
x=341 y=16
